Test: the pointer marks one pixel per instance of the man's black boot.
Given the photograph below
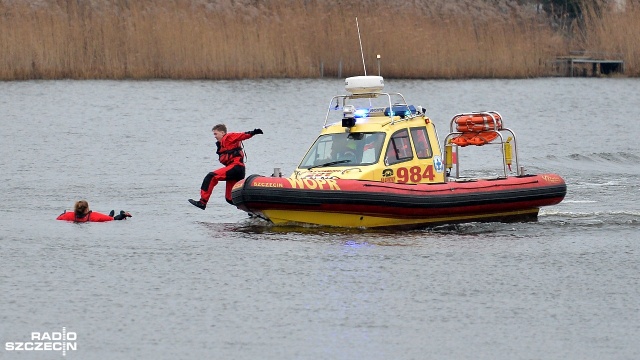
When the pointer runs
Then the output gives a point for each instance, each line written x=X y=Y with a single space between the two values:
x=198 y=203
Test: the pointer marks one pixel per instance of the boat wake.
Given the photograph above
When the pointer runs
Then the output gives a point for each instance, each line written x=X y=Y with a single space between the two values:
x=619 y=158
x=561 y=220
x=594 y=218
x=619 y=162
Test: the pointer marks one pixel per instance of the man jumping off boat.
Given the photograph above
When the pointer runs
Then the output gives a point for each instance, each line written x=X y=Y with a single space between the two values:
x=231 y=155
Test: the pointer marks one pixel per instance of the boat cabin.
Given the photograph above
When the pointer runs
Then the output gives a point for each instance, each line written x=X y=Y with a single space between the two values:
x=372 y=135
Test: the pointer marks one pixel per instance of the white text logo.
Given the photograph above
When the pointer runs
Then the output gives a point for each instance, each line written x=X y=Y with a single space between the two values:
x=46 y=341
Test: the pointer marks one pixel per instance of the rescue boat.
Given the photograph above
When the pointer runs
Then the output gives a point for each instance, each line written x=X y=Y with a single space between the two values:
x=378 y=163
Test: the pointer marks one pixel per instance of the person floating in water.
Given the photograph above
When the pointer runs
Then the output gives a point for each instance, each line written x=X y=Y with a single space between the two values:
x=81 y=213
x=231 y=155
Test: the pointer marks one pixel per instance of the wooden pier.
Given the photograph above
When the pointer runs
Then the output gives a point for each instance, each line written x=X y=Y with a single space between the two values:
x=585 y=64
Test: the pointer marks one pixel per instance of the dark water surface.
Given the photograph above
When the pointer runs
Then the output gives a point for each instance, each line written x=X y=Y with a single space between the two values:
x=175 y=282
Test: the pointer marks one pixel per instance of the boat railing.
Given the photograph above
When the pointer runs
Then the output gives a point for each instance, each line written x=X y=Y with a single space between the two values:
x=488 y=123
x=396 y=111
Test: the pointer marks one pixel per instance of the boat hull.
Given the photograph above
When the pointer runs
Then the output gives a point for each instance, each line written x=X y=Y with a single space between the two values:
x=356 y=203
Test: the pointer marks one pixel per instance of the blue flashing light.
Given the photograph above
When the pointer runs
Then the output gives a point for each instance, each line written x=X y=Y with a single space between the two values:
x=400 y=110
x=360 y=113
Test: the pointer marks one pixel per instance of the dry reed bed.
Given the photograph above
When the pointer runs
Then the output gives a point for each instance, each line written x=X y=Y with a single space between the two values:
x=614 y=32
x=189 y=40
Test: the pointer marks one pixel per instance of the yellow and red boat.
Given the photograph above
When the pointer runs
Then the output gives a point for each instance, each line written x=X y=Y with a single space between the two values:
x=378 y=163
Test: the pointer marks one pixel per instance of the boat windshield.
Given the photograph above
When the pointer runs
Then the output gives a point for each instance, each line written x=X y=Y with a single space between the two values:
x=344 y=149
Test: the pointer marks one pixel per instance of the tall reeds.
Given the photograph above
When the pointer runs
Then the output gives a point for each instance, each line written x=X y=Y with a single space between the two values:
x=187 y=39
x=613 y=32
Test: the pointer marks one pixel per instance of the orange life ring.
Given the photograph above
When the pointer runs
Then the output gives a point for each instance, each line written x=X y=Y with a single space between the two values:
x=479 y=122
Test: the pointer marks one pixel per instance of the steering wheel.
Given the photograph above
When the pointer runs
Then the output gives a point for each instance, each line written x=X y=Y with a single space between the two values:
x=348 y=155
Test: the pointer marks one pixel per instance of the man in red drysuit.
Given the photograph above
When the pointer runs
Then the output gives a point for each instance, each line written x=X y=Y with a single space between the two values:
x=231 y=156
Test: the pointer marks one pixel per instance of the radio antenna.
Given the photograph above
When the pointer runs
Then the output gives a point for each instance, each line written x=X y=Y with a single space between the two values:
x=361 y=52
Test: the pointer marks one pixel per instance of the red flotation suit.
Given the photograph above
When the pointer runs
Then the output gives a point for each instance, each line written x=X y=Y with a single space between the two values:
x=92 y=216
x=230 y=154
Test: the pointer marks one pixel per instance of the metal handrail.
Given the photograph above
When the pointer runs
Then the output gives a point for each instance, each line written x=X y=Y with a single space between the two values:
x=452 y=133
x=369 y=96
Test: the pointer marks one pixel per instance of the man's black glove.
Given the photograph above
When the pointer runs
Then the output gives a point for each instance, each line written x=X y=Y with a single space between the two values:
x=255 y=132
x=122 y=216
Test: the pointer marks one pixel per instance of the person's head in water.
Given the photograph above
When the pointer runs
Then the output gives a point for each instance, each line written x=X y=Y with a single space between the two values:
x=81 y=208
x=219 y=131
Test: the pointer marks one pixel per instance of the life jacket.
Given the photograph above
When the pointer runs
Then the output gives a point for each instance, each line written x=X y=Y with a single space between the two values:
x=229 y=148
x=227 y=157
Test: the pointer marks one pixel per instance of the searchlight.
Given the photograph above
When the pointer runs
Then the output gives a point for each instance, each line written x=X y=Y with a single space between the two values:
x=349 y=116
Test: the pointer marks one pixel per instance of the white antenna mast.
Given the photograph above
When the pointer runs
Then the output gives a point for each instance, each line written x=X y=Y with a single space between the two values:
x=361 y=52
